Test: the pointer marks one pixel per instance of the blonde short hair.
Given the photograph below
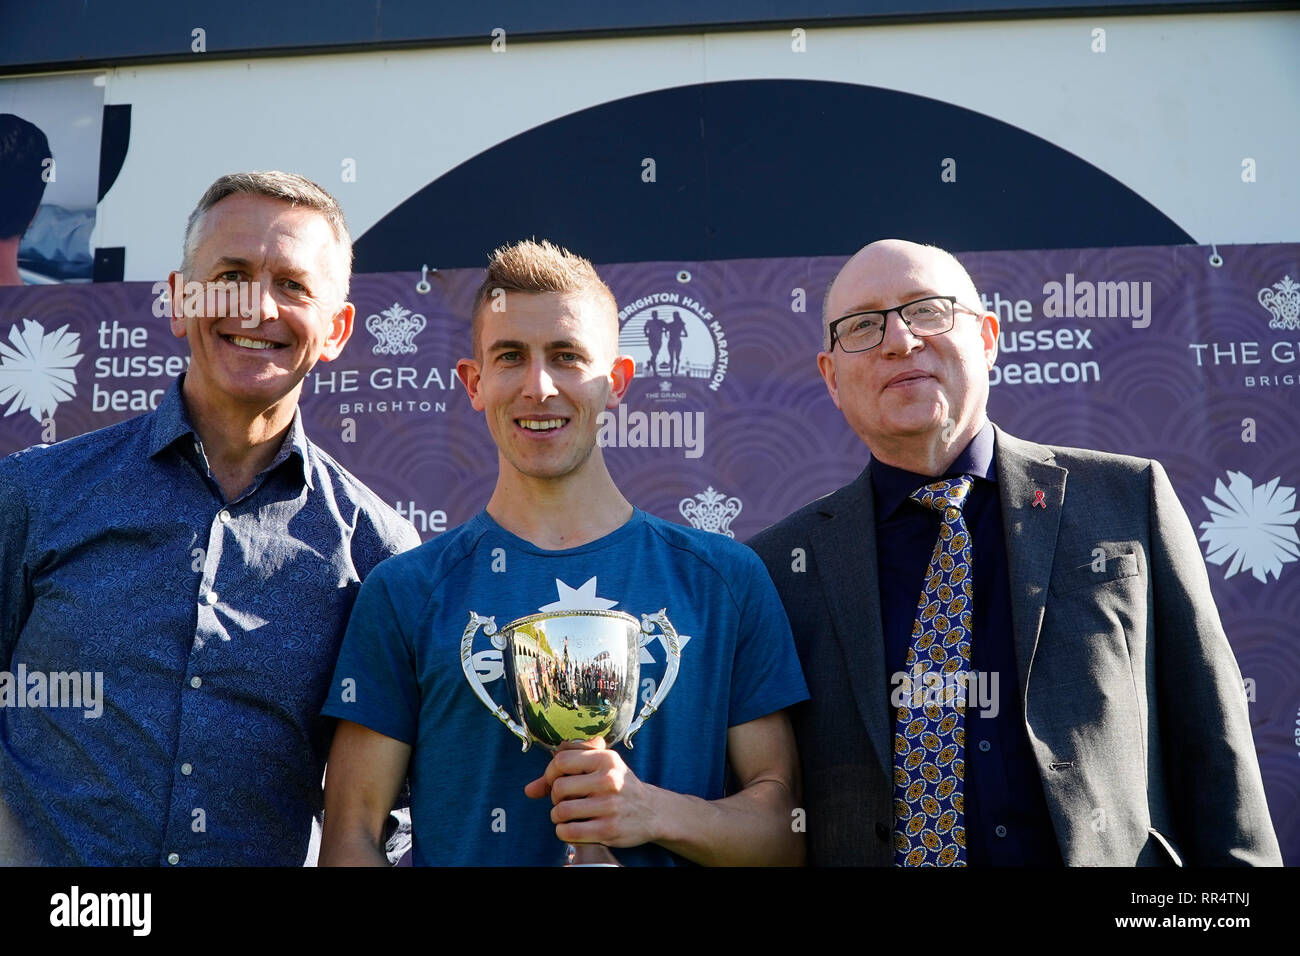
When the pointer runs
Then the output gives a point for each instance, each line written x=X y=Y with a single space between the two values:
x=530 y=266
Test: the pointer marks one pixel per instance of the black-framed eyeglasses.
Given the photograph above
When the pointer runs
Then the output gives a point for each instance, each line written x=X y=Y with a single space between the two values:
x=860 y=331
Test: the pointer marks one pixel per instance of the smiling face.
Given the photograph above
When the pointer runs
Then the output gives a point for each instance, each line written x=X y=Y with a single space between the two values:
x=910 y=392
x=298 y=317
x=547 y=370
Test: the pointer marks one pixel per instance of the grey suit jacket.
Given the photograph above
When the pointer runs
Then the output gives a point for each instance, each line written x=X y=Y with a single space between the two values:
x=1132 y=700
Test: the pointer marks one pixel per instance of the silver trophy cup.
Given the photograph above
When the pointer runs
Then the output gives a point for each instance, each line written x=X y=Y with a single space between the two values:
x=575 y=673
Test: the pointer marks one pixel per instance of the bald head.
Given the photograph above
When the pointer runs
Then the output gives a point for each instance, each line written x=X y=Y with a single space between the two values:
x=889 y=272
x=916 y=398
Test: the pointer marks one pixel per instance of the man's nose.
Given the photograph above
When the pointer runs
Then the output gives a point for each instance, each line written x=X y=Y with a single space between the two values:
x=538 y=384
x=899 y=339
x=257 y=299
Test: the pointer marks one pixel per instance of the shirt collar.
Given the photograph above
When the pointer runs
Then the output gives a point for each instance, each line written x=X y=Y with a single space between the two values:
x=171 y=423
x=892 y=486
x=295 y=443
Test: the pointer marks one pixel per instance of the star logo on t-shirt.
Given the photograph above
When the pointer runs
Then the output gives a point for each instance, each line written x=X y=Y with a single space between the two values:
x=578 y=599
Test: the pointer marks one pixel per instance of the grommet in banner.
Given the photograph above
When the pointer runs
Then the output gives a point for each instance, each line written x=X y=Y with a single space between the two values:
x=683 y=276
x=1216 y=260
x=423 y=286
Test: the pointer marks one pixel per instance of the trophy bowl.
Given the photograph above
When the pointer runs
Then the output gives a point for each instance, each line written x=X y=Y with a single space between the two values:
x=575 y=674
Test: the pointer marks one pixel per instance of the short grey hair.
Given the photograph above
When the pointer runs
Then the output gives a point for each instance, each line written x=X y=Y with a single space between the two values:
x=287 y=187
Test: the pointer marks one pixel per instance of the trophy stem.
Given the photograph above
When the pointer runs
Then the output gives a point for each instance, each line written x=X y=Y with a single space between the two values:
x=590 y=854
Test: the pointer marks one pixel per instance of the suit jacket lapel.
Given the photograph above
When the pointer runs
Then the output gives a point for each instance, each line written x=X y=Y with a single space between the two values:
x=1030 y=527
x=845 y=549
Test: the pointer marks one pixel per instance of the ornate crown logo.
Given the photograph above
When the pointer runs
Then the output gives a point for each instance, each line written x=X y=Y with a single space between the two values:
x=394 y=329
x=709 y=510
x=1283 y=300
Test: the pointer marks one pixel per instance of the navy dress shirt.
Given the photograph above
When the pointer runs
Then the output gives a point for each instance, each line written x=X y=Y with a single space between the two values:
x=1007 y=821
x=212 y=624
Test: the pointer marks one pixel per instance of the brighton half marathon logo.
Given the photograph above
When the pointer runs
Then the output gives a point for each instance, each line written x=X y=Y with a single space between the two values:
x=676 y=342
x=1283 y=301
x=1252 y=527
x=394 y=330
x=37 y=369
x=711 y=510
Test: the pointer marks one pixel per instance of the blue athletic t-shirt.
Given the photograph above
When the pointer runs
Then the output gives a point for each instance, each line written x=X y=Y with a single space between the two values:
x=399 y=672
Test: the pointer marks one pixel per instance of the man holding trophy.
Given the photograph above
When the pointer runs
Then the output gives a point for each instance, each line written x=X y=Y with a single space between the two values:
x=609 y=609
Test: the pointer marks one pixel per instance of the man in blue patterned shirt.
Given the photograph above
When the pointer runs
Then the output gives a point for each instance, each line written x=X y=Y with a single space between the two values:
x=191 y=571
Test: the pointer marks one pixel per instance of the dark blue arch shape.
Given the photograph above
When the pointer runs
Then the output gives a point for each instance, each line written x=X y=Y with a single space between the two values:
x=758 y=169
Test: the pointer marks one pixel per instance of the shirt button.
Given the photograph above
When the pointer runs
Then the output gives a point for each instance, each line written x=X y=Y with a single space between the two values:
x=1000 y=830
x=985 y=746
x=196 y=682
x=209 y=599
x=173 y=858
x=187 y=769
x=223 y=515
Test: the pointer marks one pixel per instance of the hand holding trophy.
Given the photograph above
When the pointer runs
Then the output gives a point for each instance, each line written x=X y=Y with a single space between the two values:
x=575 y=675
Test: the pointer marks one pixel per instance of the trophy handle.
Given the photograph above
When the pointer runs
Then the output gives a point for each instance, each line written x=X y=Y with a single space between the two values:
x=648 y=622
x=489 y=625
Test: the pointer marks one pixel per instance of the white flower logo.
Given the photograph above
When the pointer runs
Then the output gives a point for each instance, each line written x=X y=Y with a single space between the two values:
x=36 y=369
x=1254 y=526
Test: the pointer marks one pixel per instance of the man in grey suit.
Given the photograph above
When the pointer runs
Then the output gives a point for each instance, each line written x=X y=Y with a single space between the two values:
x=1063 y=691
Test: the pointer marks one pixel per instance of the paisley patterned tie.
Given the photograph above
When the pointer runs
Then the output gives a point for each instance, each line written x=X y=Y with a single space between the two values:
x=930 y=741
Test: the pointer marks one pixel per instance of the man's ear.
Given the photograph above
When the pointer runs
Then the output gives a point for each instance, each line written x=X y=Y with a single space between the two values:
x=620 y=377
x=176 y=289
x=826 y=365
x=468 y=371
x=340 y=332
x=989 y=335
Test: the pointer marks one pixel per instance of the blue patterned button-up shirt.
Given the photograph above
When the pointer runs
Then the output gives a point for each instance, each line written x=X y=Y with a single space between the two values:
x=211 y=627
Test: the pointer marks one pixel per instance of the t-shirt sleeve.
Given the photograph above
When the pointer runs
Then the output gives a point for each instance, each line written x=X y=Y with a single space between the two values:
x=766 y=677
x=374 y=682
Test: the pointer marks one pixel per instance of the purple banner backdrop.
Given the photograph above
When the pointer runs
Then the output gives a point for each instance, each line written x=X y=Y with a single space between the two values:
x=1157 y=352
